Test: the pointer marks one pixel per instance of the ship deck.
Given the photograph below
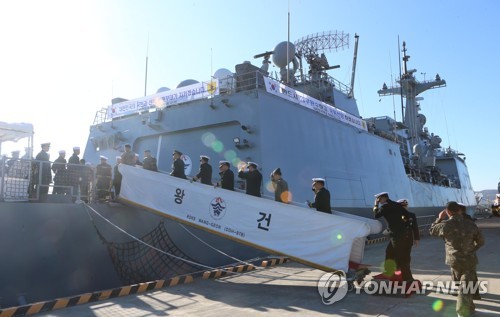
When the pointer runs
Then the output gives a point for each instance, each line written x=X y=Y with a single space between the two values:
x=291 y=289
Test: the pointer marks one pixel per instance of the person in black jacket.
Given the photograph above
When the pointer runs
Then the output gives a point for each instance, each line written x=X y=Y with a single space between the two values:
x=321 y=197
x=226 y=176
x=178 y=165
x=253 y=178
x=60 y=175
x=42 y=167
x=205 y=172
x=398 y=250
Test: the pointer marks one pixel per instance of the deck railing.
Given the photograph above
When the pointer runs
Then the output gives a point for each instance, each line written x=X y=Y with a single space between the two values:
x=32 y=180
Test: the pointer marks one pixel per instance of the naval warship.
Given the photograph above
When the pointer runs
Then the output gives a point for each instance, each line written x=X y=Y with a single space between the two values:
x=301 y=120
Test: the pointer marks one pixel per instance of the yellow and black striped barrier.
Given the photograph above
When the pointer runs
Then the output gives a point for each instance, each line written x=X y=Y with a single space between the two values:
x=242 y=268
x=226 y=271
x=272 y=262
x=35 y=308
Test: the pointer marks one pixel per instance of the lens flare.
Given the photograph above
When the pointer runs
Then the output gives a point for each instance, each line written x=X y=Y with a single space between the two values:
x=286 y=196
x=240 y=164
x=208 y=139
x=336 y=237
x=437 y=305
x=269 y=186
x=217 y=146
x=230 y=155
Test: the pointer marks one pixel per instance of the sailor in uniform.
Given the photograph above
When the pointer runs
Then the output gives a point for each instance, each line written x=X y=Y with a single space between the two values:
x=226 y=176
x=14 y=166
x=43 y=169
x=103 y=175
x=398 y=250
x=74 y=169
x=205 y=172
x=60 y=175
x=178 y=165
x=321 y=197
x=74 y=159
x=253 y=178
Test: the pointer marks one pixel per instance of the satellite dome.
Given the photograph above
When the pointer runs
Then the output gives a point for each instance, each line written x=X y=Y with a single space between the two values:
x=187 y=82
x=225 y=78
x=280 y=54
x=162 y=89
x=422 y=119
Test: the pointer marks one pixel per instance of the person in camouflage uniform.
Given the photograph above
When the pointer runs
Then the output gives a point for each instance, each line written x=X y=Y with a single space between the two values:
x=462 y=239
x=149 y=162
x=128 y=157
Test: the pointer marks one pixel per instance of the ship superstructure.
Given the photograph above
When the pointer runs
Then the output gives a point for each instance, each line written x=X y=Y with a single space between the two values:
x=303 y=121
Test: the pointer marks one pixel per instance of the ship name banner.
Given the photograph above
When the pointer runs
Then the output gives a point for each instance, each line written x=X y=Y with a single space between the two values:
x=320 y=240
x=164 y=99
x=276 y=88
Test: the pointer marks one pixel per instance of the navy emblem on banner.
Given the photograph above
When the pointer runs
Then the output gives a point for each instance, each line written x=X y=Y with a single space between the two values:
x=217 y=208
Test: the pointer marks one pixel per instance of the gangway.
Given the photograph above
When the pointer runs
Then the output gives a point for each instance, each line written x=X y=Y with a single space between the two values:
x=323 y=241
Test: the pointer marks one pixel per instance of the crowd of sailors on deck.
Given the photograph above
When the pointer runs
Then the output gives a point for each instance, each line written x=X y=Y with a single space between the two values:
x=76 y=178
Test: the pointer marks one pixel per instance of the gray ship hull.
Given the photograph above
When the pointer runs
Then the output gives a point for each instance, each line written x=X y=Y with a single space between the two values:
x=355 y=163
x=59 y=250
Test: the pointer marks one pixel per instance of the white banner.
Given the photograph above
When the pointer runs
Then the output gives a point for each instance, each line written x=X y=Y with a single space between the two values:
x=314 y=238
x=276 y=88
x=164 y=99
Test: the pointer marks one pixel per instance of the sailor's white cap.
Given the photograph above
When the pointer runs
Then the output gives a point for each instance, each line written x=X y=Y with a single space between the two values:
x=102 y=157
x=204 y=157
x=118 y=157
x=318 y=179
x=224 y=163
x=382 y=194
x=76 y=148
x=88 y=163
x=254 y=164
x=463 y=205
x=136 y=155
x=403 y=201
x=46 y=144
x=62 y=152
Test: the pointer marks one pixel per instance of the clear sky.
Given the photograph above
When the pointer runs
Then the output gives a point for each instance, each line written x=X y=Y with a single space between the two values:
x=61 y=61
